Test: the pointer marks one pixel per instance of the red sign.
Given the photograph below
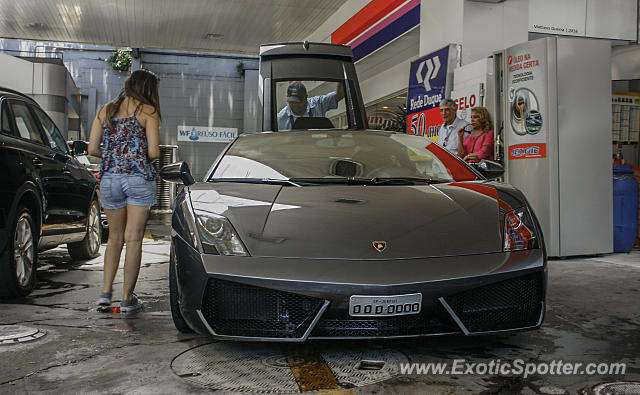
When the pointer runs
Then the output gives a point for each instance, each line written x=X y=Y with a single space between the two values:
x=425 y=123
x=527 y=151
x=466 y=102
x=520 y=62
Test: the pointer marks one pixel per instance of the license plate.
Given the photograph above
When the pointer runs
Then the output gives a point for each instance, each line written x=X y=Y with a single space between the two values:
x=385 y=305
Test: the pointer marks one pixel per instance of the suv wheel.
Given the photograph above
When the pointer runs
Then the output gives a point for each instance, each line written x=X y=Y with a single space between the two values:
x=19 y=277
x=89 y=246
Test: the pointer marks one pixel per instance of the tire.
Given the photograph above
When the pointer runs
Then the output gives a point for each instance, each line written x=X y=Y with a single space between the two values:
x=89 y=247
x=105 y=234
x=18 y=271
x=179 y=322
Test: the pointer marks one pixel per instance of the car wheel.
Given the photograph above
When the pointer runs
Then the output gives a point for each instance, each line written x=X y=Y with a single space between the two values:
x=179 y=322
x=18 y=274
x=89 y=247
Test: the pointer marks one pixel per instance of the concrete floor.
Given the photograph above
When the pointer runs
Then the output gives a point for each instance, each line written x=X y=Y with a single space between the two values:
x=593 y=315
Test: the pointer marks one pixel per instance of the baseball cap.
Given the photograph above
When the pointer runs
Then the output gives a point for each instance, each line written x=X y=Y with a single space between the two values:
x=296 y=92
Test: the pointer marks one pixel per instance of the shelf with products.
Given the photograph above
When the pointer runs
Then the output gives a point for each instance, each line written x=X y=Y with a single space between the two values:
x=625 y=117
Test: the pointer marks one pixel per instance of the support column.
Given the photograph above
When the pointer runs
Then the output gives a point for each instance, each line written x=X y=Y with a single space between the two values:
x=251 y=105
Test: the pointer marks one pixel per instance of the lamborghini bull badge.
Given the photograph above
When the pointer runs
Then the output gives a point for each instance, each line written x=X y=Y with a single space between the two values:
x=380 y=245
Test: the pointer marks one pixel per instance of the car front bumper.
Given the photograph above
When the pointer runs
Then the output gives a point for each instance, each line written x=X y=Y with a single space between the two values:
x=294 y=299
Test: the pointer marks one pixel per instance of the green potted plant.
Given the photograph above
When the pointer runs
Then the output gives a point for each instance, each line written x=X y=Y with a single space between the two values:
x=120 y=59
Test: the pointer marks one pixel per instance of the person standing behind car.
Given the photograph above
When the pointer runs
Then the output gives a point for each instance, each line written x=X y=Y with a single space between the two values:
x=479 y=144
x=128 y=128
x=447 y=136
x=300 y=105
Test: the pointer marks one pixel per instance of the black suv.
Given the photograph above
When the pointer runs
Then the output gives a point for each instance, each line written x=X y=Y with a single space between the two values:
x=48 y=198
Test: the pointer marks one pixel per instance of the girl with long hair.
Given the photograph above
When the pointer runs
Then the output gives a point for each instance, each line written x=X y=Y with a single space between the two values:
x=128 y=130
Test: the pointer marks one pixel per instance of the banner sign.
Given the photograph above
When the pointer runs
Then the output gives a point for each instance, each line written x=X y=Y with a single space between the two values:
x=610 y=19
x=427 y=87
x=527 y=92
x=377 y=24
x=566 y=17
x=206 y=134
x=468 y=86
x=467 y=97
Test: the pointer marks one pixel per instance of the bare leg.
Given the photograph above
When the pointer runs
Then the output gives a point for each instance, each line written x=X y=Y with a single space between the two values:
x=133 y=234
x=117 y=220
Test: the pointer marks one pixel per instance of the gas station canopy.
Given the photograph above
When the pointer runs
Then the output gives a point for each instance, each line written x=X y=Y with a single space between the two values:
x=222 y=25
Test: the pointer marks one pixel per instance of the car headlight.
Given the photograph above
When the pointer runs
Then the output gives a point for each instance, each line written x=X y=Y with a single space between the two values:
x=519 y=232
x=217 y=236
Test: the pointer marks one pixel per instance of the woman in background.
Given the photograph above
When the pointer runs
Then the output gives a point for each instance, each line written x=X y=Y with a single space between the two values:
x=128 y=128
x=479 y=144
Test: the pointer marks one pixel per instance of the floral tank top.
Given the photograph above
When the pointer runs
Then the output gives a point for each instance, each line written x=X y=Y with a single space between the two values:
x=125 y=149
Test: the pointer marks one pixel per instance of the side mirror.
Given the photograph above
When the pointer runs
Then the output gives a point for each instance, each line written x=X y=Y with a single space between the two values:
x=177 y=172
x=79 y=148
x=491 y=170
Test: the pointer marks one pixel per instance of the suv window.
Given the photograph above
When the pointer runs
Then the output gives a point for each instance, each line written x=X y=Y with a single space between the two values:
x=26 y=125
x=4 y=118
x=55 y=137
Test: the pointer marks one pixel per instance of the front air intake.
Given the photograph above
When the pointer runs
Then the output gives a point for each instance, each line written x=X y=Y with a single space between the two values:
x=509 y=304
x=236 y=309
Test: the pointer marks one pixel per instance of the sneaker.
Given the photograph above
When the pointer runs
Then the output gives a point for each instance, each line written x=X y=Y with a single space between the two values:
x=130 y=306
x=104 y=299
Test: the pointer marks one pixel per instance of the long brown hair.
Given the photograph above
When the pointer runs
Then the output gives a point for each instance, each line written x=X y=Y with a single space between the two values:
x=485 y=117
x=141 y=85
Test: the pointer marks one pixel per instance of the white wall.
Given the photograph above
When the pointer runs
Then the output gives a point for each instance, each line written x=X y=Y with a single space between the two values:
x=16 y=73
x=489 y=27
x=625 y=62
x=440 y=24
x=386 y=83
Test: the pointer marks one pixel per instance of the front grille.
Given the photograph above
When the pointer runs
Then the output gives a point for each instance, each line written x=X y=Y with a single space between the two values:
x=432 y=319
x=243 y=310
x=509 y=304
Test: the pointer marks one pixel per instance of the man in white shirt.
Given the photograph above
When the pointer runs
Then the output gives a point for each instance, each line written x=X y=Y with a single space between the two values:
x=448 y=133
x=300 y=105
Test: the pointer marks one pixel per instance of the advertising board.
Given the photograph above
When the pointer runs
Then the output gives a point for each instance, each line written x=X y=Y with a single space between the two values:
x=427 y=87
x=469 y=85
x=206 y=134
x=526 y=118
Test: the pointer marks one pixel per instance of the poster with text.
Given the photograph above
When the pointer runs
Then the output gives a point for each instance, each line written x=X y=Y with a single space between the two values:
x=206 y=134
x=526 y=116
x=427 y=87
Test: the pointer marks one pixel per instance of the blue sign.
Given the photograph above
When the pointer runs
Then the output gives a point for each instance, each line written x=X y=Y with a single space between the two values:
x=207 y=134
x=427 y=87
x=428 y=81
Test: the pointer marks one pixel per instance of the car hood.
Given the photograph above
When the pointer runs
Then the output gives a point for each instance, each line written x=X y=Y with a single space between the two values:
x=344 y=221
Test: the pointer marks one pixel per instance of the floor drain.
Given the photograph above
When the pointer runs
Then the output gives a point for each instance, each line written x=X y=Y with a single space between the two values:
x=272 y=368
x=619 y=388
x=370 y=365
x=12 y=334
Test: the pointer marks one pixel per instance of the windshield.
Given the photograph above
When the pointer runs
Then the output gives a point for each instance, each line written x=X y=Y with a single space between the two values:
x=310 y=104
x=338 y=155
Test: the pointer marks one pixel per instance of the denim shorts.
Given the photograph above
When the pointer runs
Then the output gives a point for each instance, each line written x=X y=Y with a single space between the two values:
x=119 y=190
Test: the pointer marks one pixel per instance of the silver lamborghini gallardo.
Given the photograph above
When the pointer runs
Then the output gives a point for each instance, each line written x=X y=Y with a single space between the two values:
x=320 y=228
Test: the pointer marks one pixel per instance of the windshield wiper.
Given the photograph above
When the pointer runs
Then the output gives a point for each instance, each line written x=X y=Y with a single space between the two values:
x=273 y=181
x=320 y=180
x=405 y=180
x=366 y=181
